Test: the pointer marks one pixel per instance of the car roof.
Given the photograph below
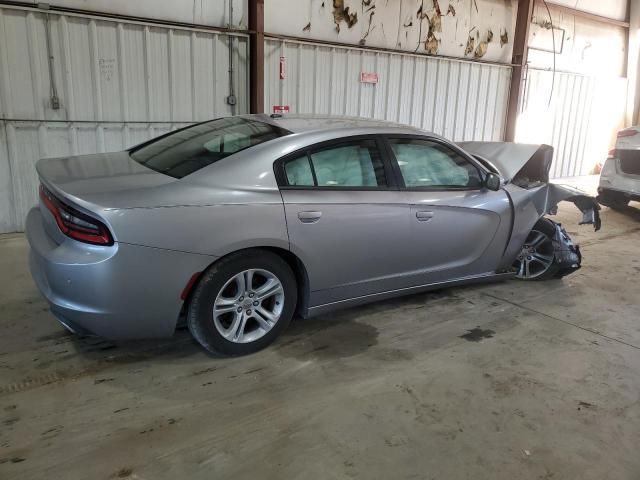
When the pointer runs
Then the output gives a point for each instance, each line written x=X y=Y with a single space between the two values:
x=299 y=123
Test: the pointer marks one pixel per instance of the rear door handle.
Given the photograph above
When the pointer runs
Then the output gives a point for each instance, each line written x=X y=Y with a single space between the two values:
x=309 y=216
x=424 y=215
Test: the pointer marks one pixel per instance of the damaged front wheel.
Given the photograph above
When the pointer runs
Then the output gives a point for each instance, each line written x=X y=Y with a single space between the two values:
x=536 y=260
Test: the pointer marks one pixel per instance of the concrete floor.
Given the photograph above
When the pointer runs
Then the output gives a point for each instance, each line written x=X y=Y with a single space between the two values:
x=390 y=390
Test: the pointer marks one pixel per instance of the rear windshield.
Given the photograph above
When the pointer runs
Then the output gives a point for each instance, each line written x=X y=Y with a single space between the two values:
x=189 y=149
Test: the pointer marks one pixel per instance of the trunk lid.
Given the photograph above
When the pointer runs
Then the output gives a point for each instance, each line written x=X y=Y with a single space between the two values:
x=95 y=184
x=103 y=180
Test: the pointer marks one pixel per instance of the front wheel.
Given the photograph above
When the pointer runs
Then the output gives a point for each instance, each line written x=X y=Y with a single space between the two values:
x=242 y=303
x=536 y=260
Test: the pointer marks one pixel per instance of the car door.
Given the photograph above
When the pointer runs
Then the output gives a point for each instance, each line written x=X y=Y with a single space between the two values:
x=346 y=219
x=458 y=228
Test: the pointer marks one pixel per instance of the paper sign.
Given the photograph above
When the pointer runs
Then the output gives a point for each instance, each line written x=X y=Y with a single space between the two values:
x=368 y=77
x=281 y=109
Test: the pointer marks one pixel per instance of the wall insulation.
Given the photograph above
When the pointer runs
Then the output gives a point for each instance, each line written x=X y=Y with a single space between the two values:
x=118 y=83
x=457 y=28
x=457 y=99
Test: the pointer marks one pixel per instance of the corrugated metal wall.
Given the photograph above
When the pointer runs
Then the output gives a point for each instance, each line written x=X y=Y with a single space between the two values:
x=119 y=83
x=457 y=99
x=580 y=121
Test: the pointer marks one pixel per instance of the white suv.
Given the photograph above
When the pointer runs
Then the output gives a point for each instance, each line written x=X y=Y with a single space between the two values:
x=620 y=176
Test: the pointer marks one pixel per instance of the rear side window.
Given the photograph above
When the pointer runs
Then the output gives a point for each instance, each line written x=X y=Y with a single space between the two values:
x=299 y=172
x=185 y=151
x=356 y=164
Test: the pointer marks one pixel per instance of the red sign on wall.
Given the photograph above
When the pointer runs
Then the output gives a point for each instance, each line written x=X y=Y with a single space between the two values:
x=368 y=77
x=282 y=74
x=281 y=109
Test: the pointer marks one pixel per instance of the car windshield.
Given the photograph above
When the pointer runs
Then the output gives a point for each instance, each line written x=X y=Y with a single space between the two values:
x=189 y=149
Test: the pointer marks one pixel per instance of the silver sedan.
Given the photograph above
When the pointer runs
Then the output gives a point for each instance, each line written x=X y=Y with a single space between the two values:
x=236 y=224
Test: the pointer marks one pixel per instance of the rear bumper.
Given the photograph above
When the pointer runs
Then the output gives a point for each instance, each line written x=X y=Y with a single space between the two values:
x=611 y=178
x=118 y=292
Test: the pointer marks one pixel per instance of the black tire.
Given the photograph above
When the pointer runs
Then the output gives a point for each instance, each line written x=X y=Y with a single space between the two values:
x=547 y=228
x=200 y=315
x=612 y=199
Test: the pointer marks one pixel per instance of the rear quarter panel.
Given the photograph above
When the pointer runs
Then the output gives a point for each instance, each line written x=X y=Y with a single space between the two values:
x=211 y=229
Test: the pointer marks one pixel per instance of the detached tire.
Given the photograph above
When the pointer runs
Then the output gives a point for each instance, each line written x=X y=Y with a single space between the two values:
x=242 y=303
x=536 y=260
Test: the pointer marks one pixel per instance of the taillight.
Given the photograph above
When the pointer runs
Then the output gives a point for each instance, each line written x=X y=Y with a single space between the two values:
x=612 y=153
x=75 y=224
x=630 y=132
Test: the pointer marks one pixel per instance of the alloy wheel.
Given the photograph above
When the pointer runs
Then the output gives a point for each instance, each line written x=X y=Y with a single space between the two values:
x=536 y=256
x=248 y=305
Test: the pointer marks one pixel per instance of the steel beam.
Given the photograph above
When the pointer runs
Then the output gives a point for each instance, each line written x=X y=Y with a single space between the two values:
x=519 y=60
x=581 y=13
x=256 y=56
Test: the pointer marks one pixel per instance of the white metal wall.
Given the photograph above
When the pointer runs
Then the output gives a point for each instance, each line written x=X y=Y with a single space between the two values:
x=213 y=13
x=580 y=121
x=457 y=99
x=119 y=83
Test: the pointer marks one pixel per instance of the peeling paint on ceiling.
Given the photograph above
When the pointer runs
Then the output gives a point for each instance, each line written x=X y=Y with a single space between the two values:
x=342 y=14
x=504 y=38
x=431 y=44
x=471 y=45
x=481 y=50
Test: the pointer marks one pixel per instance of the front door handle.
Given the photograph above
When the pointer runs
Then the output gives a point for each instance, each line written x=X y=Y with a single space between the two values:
x=309 y=216
x=424 y=215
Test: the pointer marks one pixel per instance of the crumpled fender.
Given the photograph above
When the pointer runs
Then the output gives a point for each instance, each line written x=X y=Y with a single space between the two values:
x=525 y=172
x=527 y=166
x=587 y=204
x=566 y=254
x=531 y=204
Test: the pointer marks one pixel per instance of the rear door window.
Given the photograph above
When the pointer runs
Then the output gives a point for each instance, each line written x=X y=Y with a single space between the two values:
x=185 y=151
x=351 y=164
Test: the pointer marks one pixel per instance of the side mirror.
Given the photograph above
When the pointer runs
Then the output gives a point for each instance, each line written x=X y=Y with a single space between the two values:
x=492 y=181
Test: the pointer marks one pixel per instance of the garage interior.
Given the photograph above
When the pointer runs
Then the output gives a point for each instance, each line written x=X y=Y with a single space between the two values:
x=507 y=380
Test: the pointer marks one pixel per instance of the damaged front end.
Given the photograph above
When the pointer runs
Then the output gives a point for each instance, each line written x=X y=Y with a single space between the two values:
x=567 y=255
x=525 y=173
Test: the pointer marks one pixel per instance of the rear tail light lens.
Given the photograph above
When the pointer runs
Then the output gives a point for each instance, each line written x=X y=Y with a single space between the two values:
x=75 y=224
x=627 y=133
x=612 y=153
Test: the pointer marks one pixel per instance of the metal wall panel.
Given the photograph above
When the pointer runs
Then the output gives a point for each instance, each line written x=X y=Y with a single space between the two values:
x=460 y=100
x=211 y=13
x=578 y=115
x=7 y=212
x=119 y=83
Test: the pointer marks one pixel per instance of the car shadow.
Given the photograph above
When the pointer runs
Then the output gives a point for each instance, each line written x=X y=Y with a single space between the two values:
x=340 y=334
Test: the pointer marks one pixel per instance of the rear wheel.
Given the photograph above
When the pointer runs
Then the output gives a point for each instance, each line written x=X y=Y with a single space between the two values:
x=242 y=303
x=536 y=258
